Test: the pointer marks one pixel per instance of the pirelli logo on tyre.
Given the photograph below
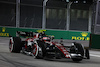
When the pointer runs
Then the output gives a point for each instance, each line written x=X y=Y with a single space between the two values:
x=3 y=32
x=84 y=36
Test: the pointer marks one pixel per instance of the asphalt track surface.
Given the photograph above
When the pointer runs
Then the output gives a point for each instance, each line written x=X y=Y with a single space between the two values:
x=8 y=59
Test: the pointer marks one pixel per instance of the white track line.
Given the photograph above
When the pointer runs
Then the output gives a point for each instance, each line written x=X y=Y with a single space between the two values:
x=94 y=55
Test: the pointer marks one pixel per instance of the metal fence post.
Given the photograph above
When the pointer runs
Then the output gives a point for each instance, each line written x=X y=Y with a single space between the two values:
x=44 y=14
x=17 y=13
x=90 y=18
x=96 y=16
x=68 y=15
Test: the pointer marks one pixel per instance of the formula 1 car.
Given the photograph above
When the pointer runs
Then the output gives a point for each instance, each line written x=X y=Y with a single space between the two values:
x=40 y=45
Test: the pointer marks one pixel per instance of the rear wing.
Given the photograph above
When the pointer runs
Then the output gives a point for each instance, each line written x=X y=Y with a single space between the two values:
x=25 y=34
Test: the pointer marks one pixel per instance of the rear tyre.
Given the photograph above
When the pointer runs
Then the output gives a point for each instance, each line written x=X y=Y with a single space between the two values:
x=15 y=44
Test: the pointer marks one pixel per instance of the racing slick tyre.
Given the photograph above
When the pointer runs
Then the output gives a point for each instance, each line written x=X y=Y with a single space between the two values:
x=37 y=51
x=87 y=53
x=15 y=44
x=80 y=50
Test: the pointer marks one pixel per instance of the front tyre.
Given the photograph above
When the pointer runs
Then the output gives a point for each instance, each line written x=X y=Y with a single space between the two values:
x=15 y=44
x=78 y=50
x=37 y=51
x=87 y=53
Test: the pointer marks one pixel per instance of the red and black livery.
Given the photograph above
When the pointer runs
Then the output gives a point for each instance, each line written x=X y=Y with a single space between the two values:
x=40 y=45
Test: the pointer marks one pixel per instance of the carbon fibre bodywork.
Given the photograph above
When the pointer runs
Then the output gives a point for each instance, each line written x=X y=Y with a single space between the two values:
x=40 y=45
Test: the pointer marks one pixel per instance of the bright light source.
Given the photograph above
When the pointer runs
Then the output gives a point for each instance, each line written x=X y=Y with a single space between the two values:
x=84 y=1
x=67 y=0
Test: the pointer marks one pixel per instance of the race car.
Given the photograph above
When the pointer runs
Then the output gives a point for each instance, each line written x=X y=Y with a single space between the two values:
x=40 y=45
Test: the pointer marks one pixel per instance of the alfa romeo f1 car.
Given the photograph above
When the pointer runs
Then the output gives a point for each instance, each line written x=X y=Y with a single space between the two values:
x=40 y=45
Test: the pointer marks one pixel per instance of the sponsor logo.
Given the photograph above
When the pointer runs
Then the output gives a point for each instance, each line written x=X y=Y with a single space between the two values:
x=3 y=32
x=40 y=31
x=82 y=37
x=84 y=34
x=3 y=29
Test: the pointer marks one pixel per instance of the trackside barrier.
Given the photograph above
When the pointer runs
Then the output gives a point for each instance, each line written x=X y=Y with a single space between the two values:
x=95 y=41
x=68 y=36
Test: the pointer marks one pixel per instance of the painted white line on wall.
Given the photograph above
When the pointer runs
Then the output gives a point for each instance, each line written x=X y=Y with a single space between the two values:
x=94 y=55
